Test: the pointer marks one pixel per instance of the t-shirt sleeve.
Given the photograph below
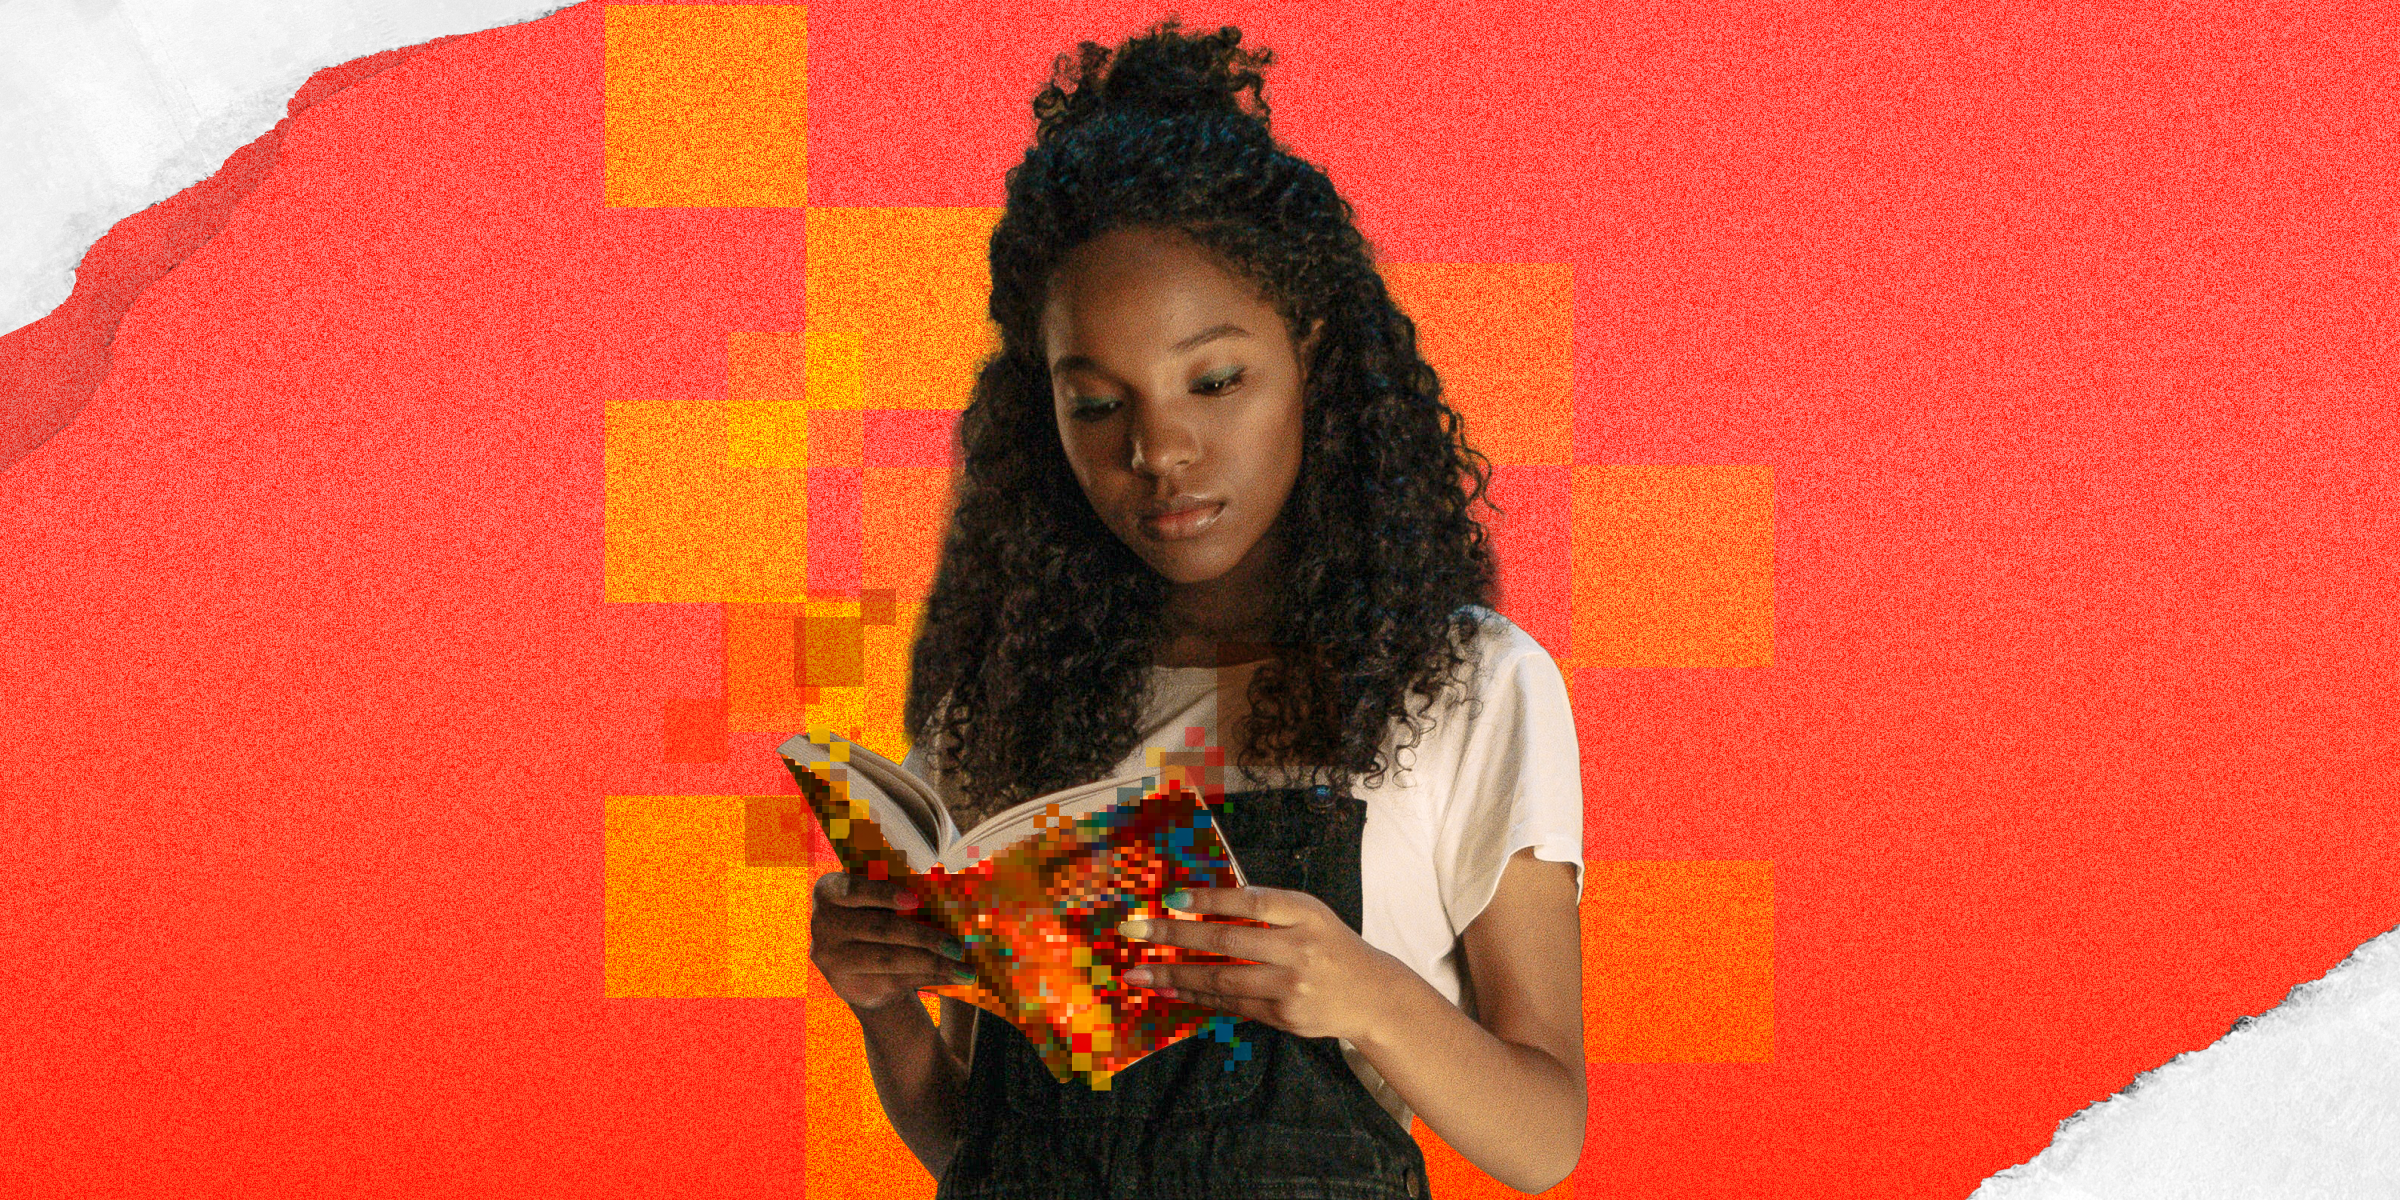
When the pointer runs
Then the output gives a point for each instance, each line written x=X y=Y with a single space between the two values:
x=1519 y=783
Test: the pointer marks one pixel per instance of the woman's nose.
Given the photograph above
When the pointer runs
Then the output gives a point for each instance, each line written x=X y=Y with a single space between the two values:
x=1162 y=446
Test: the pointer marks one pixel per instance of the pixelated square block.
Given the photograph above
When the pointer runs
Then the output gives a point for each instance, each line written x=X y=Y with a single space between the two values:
x=831 y=652
x=834 y=661
x=766 y=424
x=878 y=606
x=835 y=437
x=1678 y=961
x=664 y=860
x=706 y=106
x=830 y=642
x=1674 y=566
x=766 y=366
x=886 y=651
x=763 y=672
x=914 y=439
x=687 y=915
x=682 y=526
x=775 y=829
x=914 y=285
x=708 y=895
x=1451 y=1176
x=766 y=927
x=836 y=521
x=901 y=531
x=1502 y=337
x=836 y=367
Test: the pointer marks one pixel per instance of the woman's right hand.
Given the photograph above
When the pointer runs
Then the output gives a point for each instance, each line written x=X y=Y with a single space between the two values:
x=870 y=953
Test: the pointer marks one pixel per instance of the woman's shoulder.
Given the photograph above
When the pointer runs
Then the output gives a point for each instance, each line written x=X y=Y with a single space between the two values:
x=1499 y=642
x=1494 y=650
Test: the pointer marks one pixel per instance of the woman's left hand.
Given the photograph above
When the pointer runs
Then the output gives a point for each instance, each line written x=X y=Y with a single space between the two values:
x=1309 y=976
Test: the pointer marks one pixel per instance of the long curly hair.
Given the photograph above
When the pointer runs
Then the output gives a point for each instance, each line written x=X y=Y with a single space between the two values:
x=1042 y=626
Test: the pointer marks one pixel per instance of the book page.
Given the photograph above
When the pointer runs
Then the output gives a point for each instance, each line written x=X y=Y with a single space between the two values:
x=900 y=805
x=912 y=795
x=910 y=811
x=1007 y=828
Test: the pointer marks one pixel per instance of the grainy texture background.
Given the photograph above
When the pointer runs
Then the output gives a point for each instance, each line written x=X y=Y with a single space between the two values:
x=1958 y=490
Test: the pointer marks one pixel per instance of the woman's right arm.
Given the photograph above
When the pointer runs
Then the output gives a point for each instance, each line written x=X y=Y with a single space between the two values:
x=920 y=1074
x=875 y=959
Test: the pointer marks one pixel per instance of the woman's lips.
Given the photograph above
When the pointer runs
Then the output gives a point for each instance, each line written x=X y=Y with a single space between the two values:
x=1175 y=527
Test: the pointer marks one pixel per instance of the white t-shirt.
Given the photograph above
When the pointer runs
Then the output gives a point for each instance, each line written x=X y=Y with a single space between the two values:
x=1447 y=815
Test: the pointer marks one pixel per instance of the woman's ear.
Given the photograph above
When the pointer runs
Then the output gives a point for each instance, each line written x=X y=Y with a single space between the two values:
x=1308 y=345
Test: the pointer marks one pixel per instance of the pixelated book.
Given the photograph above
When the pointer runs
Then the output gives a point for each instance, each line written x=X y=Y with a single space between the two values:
x=1035 y=892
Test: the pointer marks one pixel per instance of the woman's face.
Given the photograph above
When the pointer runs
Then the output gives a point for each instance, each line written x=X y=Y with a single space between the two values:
x=1172 y=380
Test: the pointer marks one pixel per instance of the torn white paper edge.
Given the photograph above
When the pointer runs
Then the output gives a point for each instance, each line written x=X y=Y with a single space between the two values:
x=110 y=106
x=2302 y=1103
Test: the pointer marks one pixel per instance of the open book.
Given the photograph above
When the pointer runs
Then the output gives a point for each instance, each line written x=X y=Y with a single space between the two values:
x=1036 y=891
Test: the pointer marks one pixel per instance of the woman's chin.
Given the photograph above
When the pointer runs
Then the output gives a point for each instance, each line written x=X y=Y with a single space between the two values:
x=1184 y=572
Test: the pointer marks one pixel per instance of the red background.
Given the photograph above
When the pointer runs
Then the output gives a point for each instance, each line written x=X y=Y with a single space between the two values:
x=2068 y=333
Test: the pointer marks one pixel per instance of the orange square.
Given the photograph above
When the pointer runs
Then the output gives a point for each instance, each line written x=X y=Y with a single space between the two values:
x=663 y=907
x=835 y=437
x=915 y=284
x=1502 y=337
x=761 y=667
x=1449 y=1174
x=1674 y=567
x=1679 y=961
x=763 y=368
x=706 y=106
x=906 y=510
x=831 y=653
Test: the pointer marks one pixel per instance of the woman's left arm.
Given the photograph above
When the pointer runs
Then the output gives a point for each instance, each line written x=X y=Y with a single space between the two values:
x=1509 y=1093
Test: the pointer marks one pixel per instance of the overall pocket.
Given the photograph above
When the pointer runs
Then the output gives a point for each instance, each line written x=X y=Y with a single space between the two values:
x=1299 y=840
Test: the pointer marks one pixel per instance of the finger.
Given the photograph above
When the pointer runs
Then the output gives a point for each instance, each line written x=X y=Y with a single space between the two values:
x=949 y=974
x=1214 y=937
x=1232 y=982
x=1275 y=906
x=930 y=980
x=889 y=958
x=895 y=929
x=858 y=891
x=1238 y=1007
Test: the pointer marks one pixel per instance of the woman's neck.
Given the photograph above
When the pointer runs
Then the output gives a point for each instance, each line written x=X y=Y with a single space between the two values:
x=1189 y=649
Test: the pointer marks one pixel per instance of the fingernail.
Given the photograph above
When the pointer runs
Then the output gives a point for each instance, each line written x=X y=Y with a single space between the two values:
x=905 y=900
x=1139 y=977
x=961 y=975
x=1178 y=899
x=952 y=948
x=1137 y=928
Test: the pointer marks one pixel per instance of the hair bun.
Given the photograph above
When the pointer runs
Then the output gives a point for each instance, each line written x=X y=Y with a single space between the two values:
x=1164 y=73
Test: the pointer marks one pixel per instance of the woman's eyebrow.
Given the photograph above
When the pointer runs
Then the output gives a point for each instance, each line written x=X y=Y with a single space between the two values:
x=1206 y=336
x=1084 y=362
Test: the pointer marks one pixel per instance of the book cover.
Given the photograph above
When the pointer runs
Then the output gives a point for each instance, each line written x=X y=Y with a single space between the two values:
x=1035 y=893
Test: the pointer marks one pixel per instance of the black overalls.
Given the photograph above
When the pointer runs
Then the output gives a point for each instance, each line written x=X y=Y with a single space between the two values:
x=1281 y=1118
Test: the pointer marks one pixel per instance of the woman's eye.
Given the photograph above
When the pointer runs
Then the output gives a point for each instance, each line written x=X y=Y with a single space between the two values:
x=1213 y=384
x=1086 y=408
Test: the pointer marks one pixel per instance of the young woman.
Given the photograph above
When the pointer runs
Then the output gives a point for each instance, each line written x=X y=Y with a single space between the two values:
x=1209 y=482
